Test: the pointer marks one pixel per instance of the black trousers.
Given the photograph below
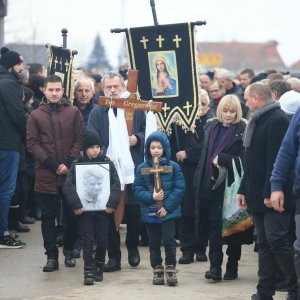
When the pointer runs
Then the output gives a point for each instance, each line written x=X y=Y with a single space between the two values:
x=93 y=226
x=162 y=232
x=274 y=251
x=133 y=220
x=190 y=244
x=50 y=205
x=211 y=222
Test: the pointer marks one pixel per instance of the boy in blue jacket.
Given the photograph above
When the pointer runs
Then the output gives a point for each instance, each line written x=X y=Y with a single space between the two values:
x=160 y=223
x=93 y=224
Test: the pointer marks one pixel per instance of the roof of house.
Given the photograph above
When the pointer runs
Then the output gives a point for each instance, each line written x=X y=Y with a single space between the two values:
x=236 y=56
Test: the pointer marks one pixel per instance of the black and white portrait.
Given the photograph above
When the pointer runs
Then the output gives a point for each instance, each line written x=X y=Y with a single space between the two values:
x=93 y=185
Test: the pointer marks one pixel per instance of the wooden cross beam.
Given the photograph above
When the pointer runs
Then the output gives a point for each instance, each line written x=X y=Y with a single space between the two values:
x=156 y=170
x=131 y=103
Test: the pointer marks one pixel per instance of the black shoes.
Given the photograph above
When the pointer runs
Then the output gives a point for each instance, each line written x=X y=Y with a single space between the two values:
x=201 y=256
x=89 y=276
x=112 y=266
x=19 y=227
x=70 y=261
x=27 y=220
x=51 y=265
x=186 y=258
x=134 y=257
x=215 y=273
x=230 y=275
x=99 y=271
x=259 y=296
x=9 y=242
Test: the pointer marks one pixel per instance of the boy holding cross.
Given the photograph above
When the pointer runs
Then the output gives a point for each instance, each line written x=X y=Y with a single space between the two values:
x=160 y=192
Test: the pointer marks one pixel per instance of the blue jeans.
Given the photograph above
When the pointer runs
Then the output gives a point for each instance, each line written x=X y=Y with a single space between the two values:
x=9 y=162
x=162 y=232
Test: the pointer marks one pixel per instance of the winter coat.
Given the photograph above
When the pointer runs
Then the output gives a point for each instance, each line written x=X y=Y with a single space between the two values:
x=259 y=160
x=54 y=135
x=12 y=116
x=191 y=144
x=98 y=121
x=70 y=185
x=173 y=183
x=234 y=150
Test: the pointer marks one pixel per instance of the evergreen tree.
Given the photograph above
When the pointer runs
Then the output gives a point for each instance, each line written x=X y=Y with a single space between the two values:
x=97 y=57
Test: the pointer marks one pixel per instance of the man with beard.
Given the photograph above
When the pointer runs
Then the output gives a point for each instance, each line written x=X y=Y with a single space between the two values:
x=13 y=132
x=113 y=86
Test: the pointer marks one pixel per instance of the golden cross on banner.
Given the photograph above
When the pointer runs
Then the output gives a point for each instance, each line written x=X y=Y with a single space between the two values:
x=67 y=65
x=187 y=107
x=177 y=40
x=55 y=62
x=61 y=63
x=156 y=170
x=165 y=109
x=144 y=41
x=160 y=39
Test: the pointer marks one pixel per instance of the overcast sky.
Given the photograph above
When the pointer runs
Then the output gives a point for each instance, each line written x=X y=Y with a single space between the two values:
x=41 y=21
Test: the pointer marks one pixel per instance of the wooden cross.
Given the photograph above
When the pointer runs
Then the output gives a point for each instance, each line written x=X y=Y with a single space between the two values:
x=129 y=105
x=177 y=40
x=144 y=41
x=156 y=170
x=160 y=39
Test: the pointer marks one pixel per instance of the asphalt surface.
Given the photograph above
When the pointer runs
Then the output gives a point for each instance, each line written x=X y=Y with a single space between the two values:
x=21 y=277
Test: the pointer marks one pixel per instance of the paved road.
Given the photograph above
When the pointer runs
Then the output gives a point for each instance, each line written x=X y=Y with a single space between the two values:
x=21 y=277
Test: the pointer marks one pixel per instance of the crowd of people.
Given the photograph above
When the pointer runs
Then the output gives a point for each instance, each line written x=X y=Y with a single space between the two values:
x=245 y=121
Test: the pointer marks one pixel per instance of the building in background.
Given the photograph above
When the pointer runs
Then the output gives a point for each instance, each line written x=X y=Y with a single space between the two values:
x=236 y=56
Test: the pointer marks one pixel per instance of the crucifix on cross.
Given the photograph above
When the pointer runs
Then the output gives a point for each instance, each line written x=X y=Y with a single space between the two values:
x=156 y=170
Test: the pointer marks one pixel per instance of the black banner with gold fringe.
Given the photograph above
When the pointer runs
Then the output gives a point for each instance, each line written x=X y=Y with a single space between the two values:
x=165 y=57
x=61 y=64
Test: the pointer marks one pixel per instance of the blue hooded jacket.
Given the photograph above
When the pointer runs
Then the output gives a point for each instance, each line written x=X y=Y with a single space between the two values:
x=173 y=183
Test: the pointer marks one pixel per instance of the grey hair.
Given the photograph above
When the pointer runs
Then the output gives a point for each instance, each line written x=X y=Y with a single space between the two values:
x=111 y=74
x=84 y=78
x=225 y=74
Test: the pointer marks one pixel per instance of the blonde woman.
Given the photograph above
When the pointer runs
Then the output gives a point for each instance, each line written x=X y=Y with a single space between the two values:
x=222 y=143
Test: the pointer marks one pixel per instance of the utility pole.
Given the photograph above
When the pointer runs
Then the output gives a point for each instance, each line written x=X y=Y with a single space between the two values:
x=3 y=13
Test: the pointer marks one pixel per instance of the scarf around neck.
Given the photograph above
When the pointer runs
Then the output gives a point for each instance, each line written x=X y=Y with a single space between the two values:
x=253 y=120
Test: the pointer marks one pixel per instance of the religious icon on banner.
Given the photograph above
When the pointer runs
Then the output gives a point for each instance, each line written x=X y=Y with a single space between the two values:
x=165 y=56
x=163 y=70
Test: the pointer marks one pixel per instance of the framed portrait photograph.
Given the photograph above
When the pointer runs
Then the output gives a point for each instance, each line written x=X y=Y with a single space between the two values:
x=93 y=185
x=163 y=74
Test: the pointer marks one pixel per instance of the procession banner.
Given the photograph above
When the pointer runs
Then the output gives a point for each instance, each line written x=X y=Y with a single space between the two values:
x=61 y=64
x=165 y=56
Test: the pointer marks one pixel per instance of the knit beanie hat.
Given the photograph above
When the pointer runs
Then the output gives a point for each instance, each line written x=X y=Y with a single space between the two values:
x=290 y=102
x=9 y=58
x=90 y=138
